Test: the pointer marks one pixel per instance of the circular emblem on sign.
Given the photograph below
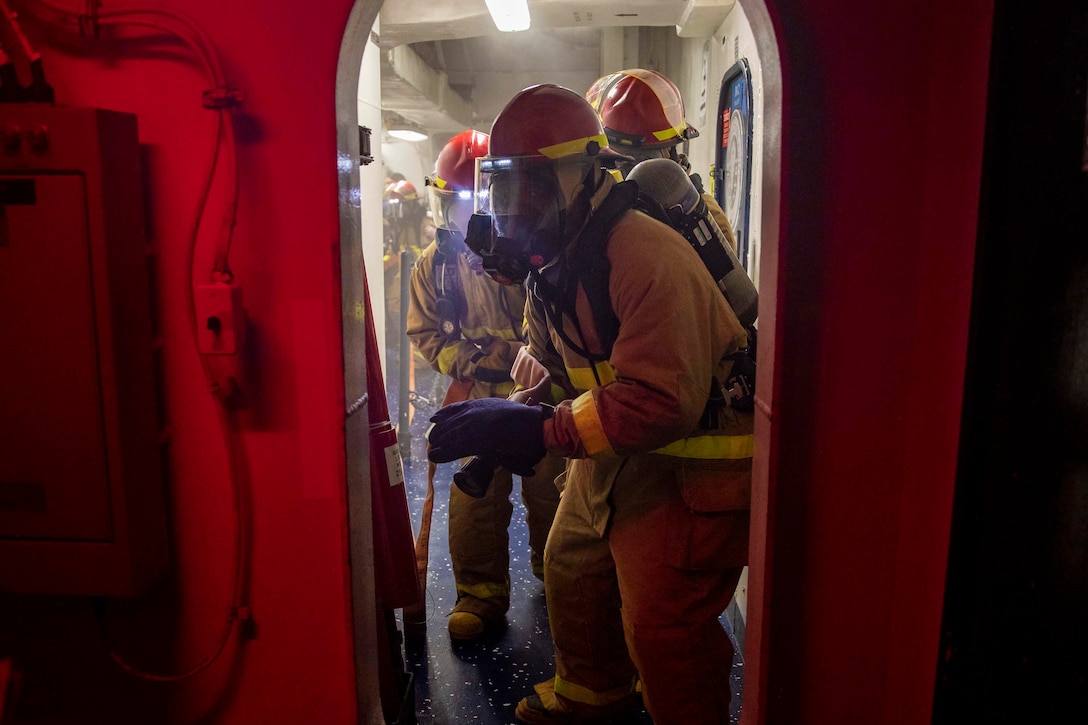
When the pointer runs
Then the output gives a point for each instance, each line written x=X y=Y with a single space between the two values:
x=735 y=167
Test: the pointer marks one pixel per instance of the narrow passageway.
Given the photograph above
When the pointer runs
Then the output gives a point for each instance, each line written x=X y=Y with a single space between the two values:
x=482 y=681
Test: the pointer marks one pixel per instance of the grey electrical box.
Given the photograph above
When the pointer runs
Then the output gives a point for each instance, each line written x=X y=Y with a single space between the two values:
x=81 y=491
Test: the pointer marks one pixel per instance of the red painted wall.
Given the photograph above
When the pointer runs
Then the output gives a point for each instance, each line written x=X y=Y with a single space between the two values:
x=289 y=440
x=882 y=122
x=882 y=109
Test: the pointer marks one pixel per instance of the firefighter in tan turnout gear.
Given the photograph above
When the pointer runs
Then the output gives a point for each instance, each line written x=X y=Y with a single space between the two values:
x=652 y=529
x=470 y=328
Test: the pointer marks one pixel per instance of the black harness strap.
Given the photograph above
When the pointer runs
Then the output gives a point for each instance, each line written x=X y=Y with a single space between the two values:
x=450 y=303
x=588 y=264
x=591 y=266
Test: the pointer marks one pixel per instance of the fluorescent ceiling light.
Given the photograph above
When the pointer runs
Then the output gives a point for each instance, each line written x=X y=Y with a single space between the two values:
x=405 y=132
x=509 y=15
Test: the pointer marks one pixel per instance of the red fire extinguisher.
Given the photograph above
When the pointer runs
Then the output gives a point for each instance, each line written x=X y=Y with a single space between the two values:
x=394 y=544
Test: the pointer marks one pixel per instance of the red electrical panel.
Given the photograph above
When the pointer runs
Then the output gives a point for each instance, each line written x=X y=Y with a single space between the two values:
x=81 y=490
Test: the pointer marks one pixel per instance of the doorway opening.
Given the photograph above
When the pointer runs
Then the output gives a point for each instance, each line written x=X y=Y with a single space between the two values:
x=441 y=78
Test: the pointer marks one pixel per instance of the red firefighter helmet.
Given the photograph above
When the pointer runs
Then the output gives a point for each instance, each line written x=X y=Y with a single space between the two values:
x=450 y=187
x=642 y=109
x=544 y=144
x=546 y=122
x=455 y=168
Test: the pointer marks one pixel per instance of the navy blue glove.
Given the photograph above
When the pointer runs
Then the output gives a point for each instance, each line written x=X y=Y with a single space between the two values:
x=493 y=427
x=517 y=463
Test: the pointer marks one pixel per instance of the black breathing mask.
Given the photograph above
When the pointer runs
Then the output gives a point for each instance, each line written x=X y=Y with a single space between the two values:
x=521 y=227
x=506 y=260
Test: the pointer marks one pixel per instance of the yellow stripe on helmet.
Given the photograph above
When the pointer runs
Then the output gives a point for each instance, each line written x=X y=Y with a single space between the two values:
x=672 y=132
x=570 y=148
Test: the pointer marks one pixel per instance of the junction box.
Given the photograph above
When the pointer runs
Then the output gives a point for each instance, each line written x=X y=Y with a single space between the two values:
x=81 y=490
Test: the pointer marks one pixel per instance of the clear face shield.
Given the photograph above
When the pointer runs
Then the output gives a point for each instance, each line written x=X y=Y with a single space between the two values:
x=519 y=206
x=450 y=209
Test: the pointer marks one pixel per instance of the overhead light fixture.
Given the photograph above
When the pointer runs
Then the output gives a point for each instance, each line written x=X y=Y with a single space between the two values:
x=509 y=15
x=405 y=132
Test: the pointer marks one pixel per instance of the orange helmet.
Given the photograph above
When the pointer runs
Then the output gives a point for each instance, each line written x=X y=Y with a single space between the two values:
x=450 y=188
x=640 y=108
x=402 y=191
x=400 y=201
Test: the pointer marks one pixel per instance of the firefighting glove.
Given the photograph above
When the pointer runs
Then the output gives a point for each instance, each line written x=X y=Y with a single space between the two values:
x=503 y=430
x=517 y=463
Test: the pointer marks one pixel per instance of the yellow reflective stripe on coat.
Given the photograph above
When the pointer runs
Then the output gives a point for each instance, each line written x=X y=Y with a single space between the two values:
x=503 y=389
x=584 y=379
x=445 y=359
x=586 y=696
x=484 y=590
x=590 y=428
x=711 y=446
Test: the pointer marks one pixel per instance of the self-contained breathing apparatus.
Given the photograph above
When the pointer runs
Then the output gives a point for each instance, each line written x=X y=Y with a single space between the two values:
x=666 y=183
x=672 y=199
x=661 y=189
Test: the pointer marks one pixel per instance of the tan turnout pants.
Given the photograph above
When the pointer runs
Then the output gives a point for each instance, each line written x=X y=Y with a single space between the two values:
x=480 y=541
x=636 y=580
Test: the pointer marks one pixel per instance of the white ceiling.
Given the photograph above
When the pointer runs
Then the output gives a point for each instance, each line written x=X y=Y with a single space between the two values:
x=413 y=21
x=446 y=67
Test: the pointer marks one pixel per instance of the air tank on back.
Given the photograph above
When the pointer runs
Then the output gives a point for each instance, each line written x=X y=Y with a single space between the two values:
x=666 y=182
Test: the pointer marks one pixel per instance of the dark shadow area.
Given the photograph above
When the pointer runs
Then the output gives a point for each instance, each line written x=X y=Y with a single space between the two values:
x=1019 y=540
